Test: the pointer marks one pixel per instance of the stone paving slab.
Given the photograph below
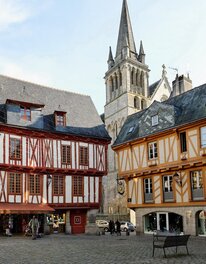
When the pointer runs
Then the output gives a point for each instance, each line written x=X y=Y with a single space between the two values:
x=84 y=249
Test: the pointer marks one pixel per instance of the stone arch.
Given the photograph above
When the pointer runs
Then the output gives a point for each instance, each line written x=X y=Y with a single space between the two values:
x=111 y=83
x=142 y=84
x=120 y=78
x=132 y=75
x=115 y=81
x=136 y=102
x=143 y=104
x=137 y=77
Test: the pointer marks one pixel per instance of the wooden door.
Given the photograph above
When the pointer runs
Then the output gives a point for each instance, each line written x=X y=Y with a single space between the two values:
x=78 y=221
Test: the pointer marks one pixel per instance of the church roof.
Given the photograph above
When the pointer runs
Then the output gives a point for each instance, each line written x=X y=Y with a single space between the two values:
x=176 y=111
x=125 y=36
x=153 y=87
x=82 y=116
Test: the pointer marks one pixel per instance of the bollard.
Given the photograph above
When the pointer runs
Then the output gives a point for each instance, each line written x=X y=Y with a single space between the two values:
x=127 y=233
x=103 y=232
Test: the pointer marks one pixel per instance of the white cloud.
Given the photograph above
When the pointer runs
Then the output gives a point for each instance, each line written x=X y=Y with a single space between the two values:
x=12 y=11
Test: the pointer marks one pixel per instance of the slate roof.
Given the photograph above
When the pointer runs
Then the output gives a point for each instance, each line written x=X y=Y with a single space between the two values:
x=187 y=107
x=82 y=116
x=153 y=87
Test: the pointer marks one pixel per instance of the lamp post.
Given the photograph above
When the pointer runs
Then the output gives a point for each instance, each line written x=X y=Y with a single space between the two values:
x=177 y=178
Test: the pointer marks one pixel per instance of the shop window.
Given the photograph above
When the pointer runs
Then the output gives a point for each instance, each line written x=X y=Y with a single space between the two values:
x=56 y=222
x=14 y=183
x=34 y=184
x=203 y=137
x=77 y=186
x=148 y=190
x=83 y=156
x=183 y=142
x=152 y=150
x=58 y=185
x=66 y=154
x=197 y=185
x=167 y=188
x=15 y=148
x=25 y=113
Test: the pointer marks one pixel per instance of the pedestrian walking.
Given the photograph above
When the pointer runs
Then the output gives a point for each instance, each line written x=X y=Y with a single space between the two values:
x=118 y=228
x=34 y=224
x=111 y=227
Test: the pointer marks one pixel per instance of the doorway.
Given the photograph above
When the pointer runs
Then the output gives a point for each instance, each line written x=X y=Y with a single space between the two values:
x=162 y=221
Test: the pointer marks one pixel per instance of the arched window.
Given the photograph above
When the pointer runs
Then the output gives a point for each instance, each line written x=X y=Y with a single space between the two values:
x=112 y=84
x=132 y=76
x=142 y=80
x=136 y=102
x=120 y=78
x=142 y=104
x=116 y=81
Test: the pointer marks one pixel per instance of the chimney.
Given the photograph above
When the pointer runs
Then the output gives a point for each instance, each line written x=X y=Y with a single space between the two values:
x=181 y=84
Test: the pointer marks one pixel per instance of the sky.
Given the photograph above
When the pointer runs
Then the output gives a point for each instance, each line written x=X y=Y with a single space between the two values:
x=64 y=44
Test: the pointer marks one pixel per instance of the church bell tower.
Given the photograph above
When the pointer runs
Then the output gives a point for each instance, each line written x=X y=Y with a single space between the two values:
x=126 y=93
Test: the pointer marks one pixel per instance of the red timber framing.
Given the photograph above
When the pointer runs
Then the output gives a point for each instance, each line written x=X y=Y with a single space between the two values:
x=38 y=149
x=39 y=156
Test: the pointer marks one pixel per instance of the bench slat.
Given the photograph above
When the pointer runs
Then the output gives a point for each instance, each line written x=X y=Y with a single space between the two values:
x=170 y=241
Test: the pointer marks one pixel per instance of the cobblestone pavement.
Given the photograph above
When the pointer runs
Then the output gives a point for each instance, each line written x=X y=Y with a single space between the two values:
x=83 y=249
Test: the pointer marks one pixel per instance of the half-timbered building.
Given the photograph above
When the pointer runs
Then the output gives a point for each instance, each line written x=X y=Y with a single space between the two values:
x=162 y=158
x=53 y=155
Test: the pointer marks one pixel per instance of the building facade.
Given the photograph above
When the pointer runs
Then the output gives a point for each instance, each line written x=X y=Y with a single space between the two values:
x=127 y=92
x=53 y=149
x=161 y=157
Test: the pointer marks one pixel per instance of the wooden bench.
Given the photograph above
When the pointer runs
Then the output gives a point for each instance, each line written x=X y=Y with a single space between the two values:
x=160 y=241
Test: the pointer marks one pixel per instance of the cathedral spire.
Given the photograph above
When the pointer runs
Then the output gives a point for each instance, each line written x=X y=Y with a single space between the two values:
x=141 y=57
x=125 y=34
x=110 y=60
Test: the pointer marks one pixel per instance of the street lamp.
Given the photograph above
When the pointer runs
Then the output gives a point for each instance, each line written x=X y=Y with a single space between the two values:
x=177 y=178
x=49 y=180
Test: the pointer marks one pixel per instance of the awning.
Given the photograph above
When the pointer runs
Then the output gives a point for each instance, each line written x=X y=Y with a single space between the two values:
x=11 y=208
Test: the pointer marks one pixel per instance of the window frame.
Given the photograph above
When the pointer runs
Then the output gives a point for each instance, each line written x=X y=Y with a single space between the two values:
x=154 y=154
x=168 y=191
x=183 y=141
x=197 y=192
x=67 y=158
x=36 y=189
x=58 y=185
x=201 y=137
x=199 y=185
x=15 y=148
x=148 y=190
x=60 y=118
x=78 y=185
x=16 y=188
x=169 y=182
x=155 y=120
x=83 y=157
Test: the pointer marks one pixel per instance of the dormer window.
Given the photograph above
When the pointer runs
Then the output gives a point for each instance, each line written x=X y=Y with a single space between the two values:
x=60 y=118
x=25 y=113
x=155 y=120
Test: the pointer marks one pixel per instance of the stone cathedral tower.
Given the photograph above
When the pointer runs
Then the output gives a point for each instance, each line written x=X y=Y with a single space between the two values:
x=127 y=91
